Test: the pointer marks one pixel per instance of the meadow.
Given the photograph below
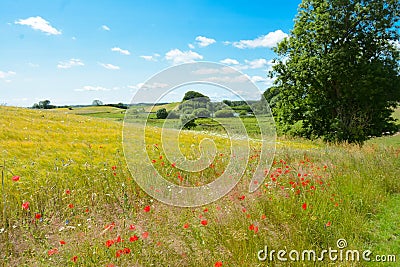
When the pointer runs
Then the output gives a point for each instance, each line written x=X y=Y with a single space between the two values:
x=69 y=199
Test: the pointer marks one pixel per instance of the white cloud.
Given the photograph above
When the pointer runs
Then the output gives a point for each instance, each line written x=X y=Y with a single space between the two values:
x=109 y=66
x=73 y=62
x=191 y=46
x=269 y=40
x=204 y=41
x=177 y=56
x=4 y=75
x=151 y=58
x=207 y=71
x=122 y=51
x=256 y=63
x=87 y=88
x=33 y=65
x=229 y=61
x=105 y=27
x=38 y=23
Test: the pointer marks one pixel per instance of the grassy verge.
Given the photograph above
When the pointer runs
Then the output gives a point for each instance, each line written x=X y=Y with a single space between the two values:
x=85 y=208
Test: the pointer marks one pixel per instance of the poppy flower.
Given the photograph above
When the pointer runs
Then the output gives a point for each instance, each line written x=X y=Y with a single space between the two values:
x=25 y=205
x=126 y=251
x=71 y=206
x=133 y=238
x=146 y=209
x=304 y=206
x=145 y=235
x=52 y=251
x=62 y=242
x=15 y=178
x=67 y=191
x=109 y=243
x=132 y=227
x=114 y=168
x=186 y=226
x=38 y=216
x=218 y=264
x=204 y=222
x=242 y=197
x=74 y=258
x=328 y=224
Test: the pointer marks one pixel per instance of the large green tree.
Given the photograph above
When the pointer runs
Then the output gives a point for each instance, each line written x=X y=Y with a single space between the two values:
x=338 y=72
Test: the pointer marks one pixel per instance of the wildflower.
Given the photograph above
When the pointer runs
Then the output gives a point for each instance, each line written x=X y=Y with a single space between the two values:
x=67 y=191
x=62 y=242
x=304 y=206
x=25 y=205
x=132 y=227
x=118 y=253
x=186 y=226
x=74 y=258
x=263 y=217
x=15 y=178
x=173 y=165
x=145 y=235
x=126 y=251
x=119 y=239
x=242 y=197
x=153 y=161
x=204 y=222
x=52 y=251
x=38 y=216
x=86 y=210
x=114 y=168
x=205 y=210
x=218 y=264
x=146 y=209
x=71 y=206
x=109 y=243
x=328 y=224
x=133 y=238
x=251 y=227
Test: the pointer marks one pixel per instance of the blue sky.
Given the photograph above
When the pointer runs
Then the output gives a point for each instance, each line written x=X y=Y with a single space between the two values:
x=72 y=51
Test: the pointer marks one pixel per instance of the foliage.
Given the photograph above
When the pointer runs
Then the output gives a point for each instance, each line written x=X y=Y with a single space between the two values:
x=162 y=113
x=188 y=121
x=201 y=113
x=193 y=95
x=338 y=71
x=97 y=103
x=224 y=113
x=45 y=104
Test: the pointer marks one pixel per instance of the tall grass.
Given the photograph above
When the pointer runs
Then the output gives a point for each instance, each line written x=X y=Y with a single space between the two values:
x=73 y=174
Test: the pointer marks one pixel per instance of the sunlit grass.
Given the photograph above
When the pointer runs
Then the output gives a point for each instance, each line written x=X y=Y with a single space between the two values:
x=73 y=173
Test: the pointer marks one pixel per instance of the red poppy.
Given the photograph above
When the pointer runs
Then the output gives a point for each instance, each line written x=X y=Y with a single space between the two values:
x=67 y=191
x=304 y=206
x=218 y=264
x=132 y=227
x=204 y=222
x=328 y=224
x=153 y=161
x=186 y=226
x=114 y=168
x=52 y=251
x=133 y=238
x=251 y=227
x=38 y=216
x=25 y=205
x=74 y=258
x=263 y=217
x=205 y=210
x=146 y=209
x=70 y=205
x=173 y=165
x=62 y=242
x=242 y=197
x=15 y=178
x=119 y=239
x=118 y=253
x=145 y=235
x=109 y=243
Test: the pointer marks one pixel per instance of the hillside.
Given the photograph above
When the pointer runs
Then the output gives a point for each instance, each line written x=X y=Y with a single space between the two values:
x=68 y=197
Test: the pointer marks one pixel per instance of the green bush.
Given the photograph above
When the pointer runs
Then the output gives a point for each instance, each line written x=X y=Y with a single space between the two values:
x=224 y=113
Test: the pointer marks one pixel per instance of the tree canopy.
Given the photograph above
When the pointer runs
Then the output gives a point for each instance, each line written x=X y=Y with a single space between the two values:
x=338 y=72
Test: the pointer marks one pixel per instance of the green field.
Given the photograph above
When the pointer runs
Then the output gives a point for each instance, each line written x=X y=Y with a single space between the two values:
x=86 y=209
